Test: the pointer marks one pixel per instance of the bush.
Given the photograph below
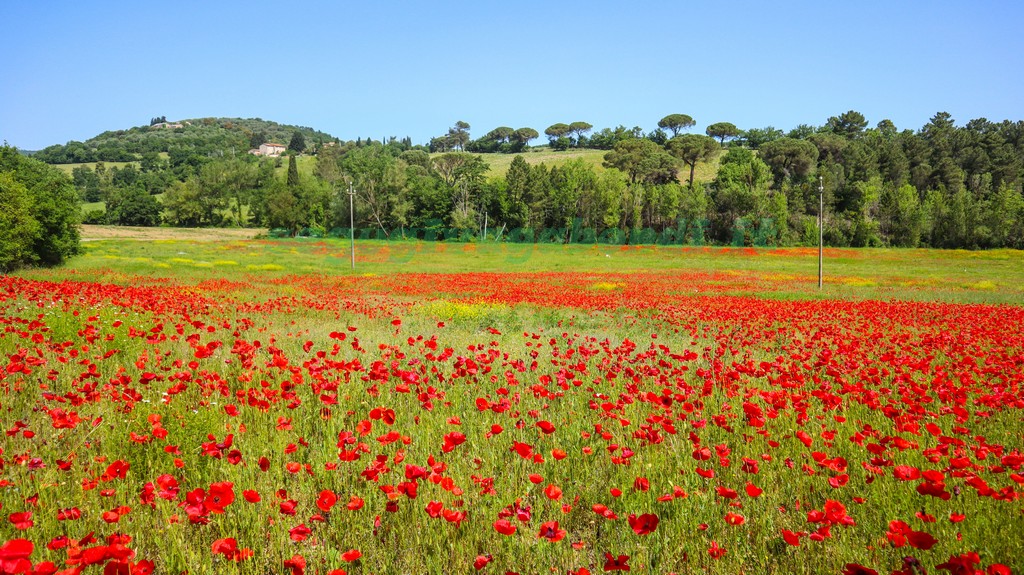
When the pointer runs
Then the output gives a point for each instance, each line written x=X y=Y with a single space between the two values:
x=94 y=217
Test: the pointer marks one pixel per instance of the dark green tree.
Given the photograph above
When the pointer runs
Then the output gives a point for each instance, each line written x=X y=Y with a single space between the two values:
x=754 y=138
x=676 y=123
x=558 y=135
x=257 y=138
x=517 y=178
x=297 y=143
x=693 y=148
x=293 y=172
x=723 y=131
x=577 y=129
x=900 y=216
x=802 y=132
x=520 y=139
x=642 y=161
x=789 y=158
x=848 y=124
x=134 y=206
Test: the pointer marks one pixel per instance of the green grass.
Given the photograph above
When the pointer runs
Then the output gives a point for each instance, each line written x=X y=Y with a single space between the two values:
x=305 y=164
x=295 y=296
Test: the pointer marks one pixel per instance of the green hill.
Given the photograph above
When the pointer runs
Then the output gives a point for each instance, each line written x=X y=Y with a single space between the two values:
x=202 y=136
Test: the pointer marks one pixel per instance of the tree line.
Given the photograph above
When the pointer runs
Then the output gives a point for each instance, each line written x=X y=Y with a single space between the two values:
x=942 y=185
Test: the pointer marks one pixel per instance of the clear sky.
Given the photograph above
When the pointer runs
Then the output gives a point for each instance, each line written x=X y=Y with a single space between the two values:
x=73 y=69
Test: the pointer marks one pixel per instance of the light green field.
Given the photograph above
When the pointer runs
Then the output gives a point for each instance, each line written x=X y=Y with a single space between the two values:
x=787 y=273
x=305 y=164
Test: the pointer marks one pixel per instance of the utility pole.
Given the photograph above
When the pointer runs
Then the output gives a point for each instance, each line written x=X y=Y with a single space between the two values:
x=821 y=227
x=352 y=222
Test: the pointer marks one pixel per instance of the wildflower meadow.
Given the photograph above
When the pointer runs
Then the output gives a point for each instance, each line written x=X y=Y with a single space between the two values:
x=259 y=407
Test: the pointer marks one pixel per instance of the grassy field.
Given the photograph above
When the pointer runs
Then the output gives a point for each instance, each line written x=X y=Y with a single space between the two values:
x=222 y=404
x=68 y=168
x=499 y=163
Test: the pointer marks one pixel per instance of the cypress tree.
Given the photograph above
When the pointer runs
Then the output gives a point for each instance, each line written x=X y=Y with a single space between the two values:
x=293 y=172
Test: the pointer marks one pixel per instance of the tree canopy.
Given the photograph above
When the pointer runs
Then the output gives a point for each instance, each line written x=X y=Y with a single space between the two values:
x=40 y=215
x=676 y=123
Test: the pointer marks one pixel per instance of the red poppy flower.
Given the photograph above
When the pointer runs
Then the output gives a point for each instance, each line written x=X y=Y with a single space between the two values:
x=612 y=563
x=299 y=532
x=354 y=503
x=452 y=440
x=553 y=492
x=961 y=564
x=351 y=555
x=644 y=524
x=734 y=519
x=504 y=526
x=715 y=551
x=326 y=500
x=14 y=556
x=435 y=508
x=219 y=496
x=481 y=561
x=550 y=531
x=296 y=565
x=21 y=520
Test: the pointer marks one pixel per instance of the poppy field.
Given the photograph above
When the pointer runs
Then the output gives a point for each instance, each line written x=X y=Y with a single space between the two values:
x=256 y=407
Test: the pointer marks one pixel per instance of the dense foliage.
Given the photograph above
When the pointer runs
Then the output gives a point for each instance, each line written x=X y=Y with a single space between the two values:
x=943 y=186
x=38 y=213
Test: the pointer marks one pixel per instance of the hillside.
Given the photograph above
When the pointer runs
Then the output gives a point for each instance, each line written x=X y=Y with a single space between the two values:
x=202 y=136
x=498 y=164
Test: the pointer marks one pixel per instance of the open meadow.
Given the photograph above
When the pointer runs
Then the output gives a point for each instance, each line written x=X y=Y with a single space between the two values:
x=233 y=405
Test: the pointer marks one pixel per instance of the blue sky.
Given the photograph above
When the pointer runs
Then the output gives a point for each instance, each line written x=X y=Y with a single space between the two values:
x=379 y=69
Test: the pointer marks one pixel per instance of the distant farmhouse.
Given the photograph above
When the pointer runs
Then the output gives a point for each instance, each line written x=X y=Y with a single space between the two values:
x=269 y=149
